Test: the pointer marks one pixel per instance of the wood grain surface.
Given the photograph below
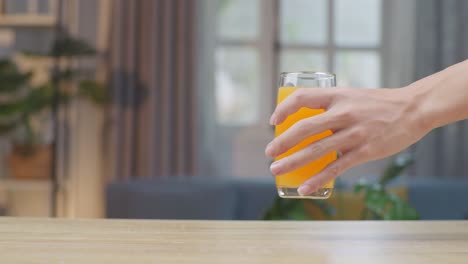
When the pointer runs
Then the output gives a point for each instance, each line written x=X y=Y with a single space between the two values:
x=24 y=240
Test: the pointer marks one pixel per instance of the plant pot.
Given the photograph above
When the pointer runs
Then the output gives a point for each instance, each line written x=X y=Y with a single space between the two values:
x=31 y=163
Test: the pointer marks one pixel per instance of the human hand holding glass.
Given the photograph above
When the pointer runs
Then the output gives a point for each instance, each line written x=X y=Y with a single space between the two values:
x=362 y=124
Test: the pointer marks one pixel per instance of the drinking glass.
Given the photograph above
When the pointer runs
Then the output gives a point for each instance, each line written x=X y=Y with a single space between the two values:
x=288 y=183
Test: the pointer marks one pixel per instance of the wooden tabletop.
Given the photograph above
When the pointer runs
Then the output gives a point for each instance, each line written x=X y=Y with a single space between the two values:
x=138 y=241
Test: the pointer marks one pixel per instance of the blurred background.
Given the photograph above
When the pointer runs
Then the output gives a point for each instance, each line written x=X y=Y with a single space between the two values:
x=160 y=108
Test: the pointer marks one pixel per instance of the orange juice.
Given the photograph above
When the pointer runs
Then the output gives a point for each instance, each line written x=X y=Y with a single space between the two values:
x=296 y=177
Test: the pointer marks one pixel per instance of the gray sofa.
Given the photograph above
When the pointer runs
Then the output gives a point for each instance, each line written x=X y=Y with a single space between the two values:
x=246 y=199
x=439 y=199
x=190 y=198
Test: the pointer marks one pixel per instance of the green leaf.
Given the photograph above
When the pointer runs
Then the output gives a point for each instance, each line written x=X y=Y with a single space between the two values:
x=94 y=91
x=400 y=210
x=66 y=75
x=396 y=167
x=274 y=211
x=298 y=215
x=7 y=128
x=39 y=98
x=13 y=83
x=42 y=97
x=11 y=79
x=376 y=200
x=360 y=186
x=325 y=207
x=11 y=108
x=286 y=209
x=294 y=209
x=7 y=66
x=34 y=54
x=71 y=47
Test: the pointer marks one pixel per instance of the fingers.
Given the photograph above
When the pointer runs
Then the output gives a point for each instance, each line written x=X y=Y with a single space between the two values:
x=316 y=98
x=334 y=120
x=299 y=132
x=343 y=141
x=332 y=171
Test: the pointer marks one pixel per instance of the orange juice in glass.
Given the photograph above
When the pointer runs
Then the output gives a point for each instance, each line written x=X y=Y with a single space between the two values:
x=288 y=183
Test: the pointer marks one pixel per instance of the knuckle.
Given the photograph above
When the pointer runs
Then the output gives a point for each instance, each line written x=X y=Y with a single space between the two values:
x=364 y=151
x=342 y=93
x=318 y=147
x=311 y=181
x=357 y=134
x=289 y=164
x=299 y=97
x=280 y=146
x=303 y=126
x=334 y=170
x=318 y=184
x=345 y=115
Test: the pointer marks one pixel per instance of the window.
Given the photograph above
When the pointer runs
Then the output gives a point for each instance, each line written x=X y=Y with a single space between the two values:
x=237 y=62
x=27 y=7
x=340 y=36
x=35 y=13
x=257 y=39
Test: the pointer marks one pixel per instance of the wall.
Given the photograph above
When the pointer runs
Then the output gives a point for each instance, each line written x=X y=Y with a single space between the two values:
x=88 y=19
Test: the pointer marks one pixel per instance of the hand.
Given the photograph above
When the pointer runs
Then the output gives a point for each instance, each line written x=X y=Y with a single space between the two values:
x=368 y=124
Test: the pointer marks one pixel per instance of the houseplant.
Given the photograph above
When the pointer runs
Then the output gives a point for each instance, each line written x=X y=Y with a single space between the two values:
x=378 y=202
x=25 y=108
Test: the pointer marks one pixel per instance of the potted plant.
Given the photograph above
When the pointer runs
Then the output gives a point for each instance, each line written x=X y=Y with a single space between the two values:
x=378 y=202
x=25 y=108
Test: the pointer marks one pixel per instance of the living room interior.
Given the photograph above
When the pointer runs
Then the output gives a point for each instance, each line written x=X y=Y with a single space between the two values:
x=160 y=109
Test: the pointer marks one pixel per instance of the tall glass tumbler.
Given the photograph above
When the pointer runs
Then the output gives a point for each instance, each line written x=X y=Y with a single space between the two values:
x=288 y=183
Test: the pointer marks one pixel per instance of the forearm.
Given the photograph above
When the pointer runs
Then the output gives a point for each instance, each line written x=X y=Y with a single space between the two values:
x=442 y=98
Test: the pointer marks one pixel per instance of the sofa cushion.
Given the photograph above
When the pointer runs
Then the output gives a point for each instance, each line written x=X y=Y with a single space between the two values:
x=172 y=198
x=254 y=197
x=439 y=199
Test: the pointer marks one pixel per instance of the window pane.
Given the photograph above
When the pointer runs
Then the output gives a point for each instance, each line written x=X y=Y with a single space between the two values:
x=237 y=85
x=298 y=60
x=238 y=19
x=16 y=6
x=358 y=69
x=303 y=21
x=43 y=6
x=358 y=22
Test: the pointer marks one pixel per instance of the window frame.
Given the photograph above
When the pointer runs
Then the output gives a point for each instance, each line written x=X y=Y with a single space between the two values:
x=269 y=47
x=30 y=19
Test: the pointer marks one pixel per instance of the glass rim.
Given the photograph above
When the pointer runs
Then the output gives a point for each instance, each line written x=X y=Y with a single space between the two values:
x=317 y=75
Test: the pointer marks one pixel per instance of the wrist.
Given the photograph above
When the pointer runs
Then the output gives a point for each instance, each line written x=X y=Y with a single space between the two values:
x=443 y=96
x=421 y=110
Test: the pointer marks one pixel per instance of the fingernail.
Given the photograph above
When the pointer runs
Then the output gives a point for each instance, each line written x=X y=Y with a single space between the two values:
x=304 y=190
x=275 y=167
x=269 y=150
x=273 y=119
